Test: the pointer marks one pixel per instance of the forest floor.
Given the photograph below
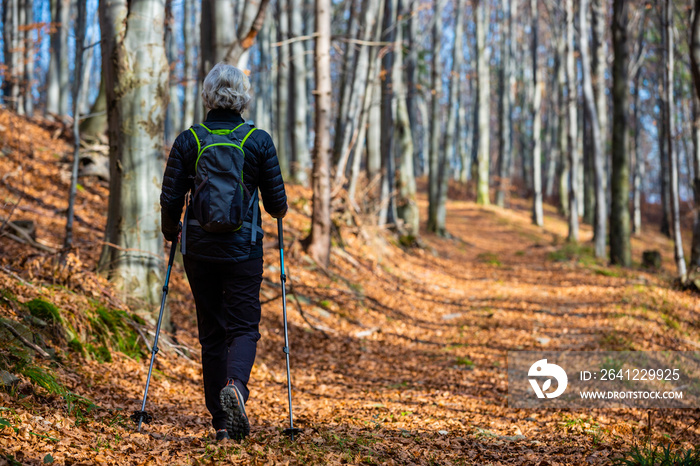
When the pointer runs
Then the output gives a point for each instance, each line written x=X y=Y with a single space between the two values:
x=398 y=355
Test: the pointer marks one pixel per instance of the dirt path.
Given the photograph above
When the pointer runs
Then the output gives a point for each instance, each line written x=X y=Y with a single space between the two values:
x=400 y=357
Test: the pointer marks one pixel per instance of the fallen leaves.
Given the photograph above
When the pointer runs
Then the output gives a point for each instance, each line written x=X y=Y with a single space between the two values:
x=413 y=371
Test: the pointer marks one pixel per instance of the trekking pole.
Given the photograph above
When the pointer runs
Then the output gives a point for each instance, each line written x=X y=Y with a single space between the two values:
x=291 y=431
x=142 y=415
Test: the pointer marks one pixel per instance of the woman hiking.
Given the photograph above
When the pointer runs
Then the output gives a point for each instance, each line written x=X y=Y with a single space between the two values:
x=219 y=166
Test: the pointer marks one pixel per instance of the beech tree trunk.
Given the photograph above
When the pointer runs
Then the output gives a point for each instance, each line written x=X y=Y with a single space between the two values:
x=95 y=126
x=450 y=133
x=411 y=91
x=348 y=122
x=374 y=130
x=218 y=36
x=265 y=79
x=572 y=142
x=564 y=172
x=53 y=88
x=670 y=143
x=346 y=79
x=282 y=121
x=387 y=207
x=596 y=141
x=57 y=79
x=537 y=209
x=28 y=58
x=694 y=269
x=10 y=83
x=173 y=119
x=368 y=136
x=619 y=214
x=483 y=104
x=507 y=96
x=320 y=239
x=406 y=203
x=598 y=69
x=638 y=175
x=78 y=78
x=136 y=71
x=191 y=43
x=435 y=119
x=300 y=144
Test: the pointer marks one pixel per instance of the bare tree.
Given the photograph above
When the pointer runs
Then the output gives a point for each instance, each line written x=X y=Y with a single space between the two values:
x=57 y=79
x=368 y=131
x=451 y=130
x=406 y=203
x=564 y=171
x=190 y=75
x=173 y=118
x=596 y=140
x=434 y=155
x=320 y=238
x=537 y=209
x=598 y=71
x=300 y=144
x=348 y=122
x=78 y=78
x=136 y=71
x=27 y=7
x=282 y=120
x=251 y=21
x=619 y=214
x=11 y=78
x=639 y=162
x=217 y=34
x=387 y=206
x=670 y=140
x=694 y=272
x=507 y=97
x=483 y=104
x=572 y=143
x=95 y=125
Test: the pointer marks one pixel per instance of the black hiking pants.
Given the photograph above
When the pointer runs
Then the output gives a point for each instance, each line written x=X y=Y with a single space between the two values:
x=227 y=296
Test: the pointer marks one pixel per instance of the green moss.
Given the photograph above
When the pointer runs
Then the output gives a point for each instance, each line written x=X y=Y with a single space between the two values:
x=407 y=241
x=44 y=310
x=573 y=252
x=489 y=258
x=615 y=341
x=607 y=272
x=464 y=362
x=100 y=353
x=671 y=322
x=76 y=346
x=325 y=304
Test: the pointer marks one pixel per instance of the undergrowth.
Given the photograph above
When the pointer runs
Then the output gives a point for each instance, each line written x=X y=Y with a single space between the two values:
x=655 y=455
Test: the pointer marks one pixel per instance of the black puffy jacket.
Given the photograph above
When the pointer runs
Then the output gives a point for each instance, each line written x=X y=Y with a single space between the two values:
x=261 y=170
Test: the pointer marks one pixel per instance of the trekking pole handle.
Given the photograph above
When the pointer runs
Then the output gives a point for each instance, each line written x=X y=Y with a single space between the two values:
x=279 y=233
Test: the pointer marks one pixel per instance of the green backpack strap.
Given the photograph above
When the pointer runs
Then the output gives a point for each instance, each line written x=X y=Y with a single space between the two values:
x=247 y=136
x=254 y=228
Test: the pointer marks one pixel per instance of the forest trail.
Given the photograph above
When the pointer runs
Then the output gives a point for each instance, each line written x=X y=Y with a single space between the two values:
x=399 y=356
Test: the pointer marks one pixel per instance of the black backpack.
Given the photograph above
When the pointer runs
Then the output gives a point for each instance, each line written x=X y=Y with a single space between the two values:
x=221 y=201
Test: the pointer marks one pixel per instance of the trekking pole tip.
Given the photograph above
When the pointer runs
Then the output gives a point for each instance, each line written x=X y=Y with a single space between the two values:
x=292 y=432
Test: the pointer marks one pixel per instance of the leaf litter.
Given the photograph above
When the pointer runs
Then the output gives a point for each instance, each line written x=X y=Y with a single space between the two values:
x=399 y=356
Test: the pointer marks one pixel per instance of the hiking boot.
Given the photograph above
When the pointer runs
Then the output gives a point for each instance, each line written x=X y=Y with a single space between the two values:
x=222 y=434
x=237 y=423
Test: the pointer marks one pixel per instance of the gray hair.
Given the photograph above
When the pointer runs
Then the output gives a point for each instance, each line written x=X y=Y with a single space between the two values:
x=226 y=87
